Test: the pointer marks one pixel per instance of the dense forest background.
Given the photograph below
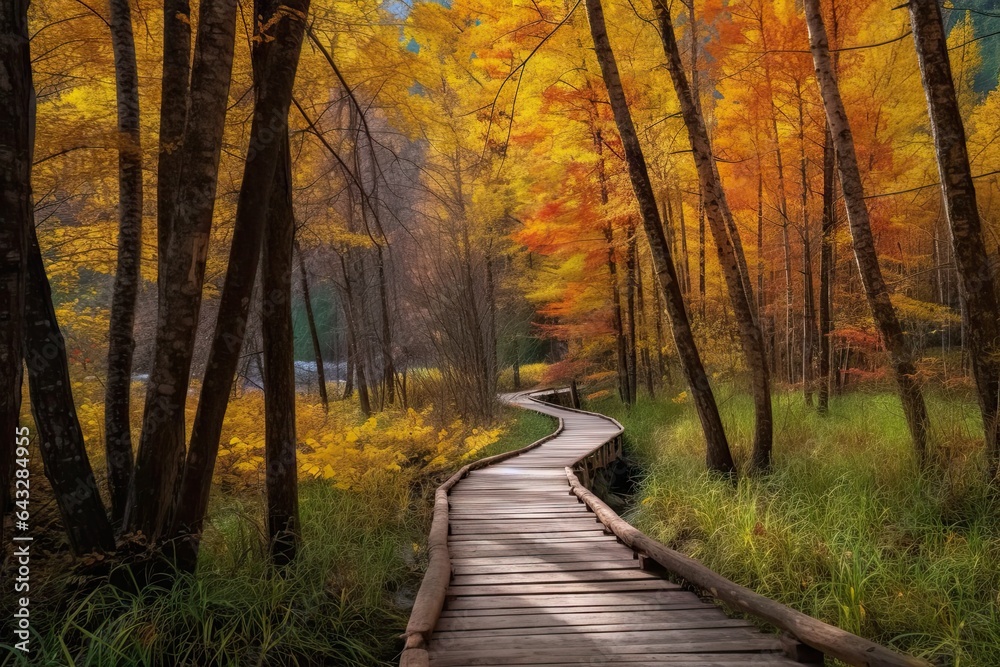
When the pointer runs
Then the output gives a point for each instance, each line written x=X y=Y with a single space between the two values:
x=340 y=275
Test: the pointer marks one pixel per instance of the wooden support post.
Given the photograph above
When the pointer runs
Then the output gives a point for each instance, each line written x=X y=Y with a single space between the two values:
x=647 y=564
x=574 y=395
x=799 y=652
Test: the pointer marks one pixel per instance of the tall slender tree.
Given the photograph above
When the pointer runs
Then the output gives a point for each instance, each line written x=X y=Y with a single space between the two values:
x=121 y=341
x=975 y=279
x=160 y=457
x=313 y=331
x=826 y=277
x=283 y=32
x=726 y=241
x=174 y=99
x=876 y=290
x=281 y=477
x=718 y=455
x=16 y=94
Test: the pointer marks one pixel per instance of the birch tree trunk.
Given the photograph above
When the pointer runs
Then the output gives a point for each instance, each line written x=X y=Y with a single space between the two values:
x=718 y=213
x=876 y=289
x=981 y=317
x=121 y=340
x=718 y=456
x=16 y=218
x=160 y=457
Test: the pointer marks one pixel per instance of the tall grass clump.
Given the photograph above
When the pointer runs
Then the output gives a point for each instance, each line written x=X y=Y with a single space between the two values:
x=845 y=528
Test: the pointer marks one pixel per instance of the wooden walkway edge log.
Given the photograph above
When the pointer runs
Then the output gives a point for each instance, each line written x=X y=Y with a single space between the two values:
x=527 y=566
x=828 y=639
x=431 y=595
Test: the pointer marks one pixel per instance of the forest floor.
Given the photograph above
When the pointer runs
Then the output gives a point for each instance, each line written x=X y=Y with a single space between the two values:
x=844 y=529
x=345 y=601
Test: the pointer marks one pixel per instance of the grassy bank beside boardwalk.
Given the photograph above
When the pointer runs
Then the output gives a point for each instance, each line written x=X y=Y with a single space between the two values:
x=343 y=603
x=845 y=528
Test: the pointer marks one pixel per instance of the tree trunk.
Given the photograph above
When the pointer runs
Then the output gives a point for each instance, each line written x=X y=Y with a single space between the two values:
x=788 y=346
x=718 y=455
x=658 y=324
x=388 y=366
x=981 y=317
x=647 y=364
x=313 y=332
x=64 y=453
x=701 y=258
x=16 y=218
x=493 y=363
x=621 y=342
x=632 y=340
x=160 y=458
x=121 y=341
x=761 y=296
x=685 y=260
x=808 y=305
x=355 y=349
x=268 y=143
x=279 y=367
x=826 y=277
x=864 y=244
x=718 y=212
x=174 y=98
x=517 y=364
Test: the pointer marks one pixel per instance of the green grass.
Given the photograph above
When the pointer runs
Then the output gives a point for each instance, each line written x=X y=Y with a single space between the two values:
x=344 y=602
x=526 y=427
x=845 y=528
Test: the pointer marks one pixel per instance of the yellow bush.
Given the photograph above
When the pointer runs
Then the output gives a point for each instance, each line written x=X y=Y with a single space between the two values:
x=345 y=448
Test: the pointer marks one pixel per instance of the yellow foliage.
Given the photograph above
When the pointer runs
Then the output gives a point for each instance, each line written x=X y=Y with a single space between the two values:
x=343 y=447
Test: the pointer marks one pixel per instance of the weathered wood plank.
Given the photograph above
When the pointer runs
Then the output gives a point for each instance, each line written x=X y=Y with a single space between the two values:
x=717 y=621
x=565 y=587
x=572 y=611
x=596 y=656
x=556 y=618
x=518 y=578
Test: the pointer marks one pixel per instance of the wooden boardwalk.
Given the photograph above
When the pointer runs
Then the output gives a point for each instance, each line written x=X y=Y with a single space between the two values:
x=536 y=579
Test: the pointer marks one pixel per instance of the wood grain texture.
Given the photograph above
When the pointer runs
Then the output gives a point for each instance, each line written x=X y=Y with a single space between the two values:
x=528 y=568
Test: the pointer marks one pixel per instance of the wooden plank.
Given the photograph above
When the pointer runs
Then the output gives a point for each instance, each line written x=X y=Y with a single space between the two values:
x=570 y=612
x=598 y=576
x=605 y=555
x=562 y=566
x=505 y=527
x=549 y=538
x=555 y=618
x=717 y=621
x=565 y=587
x=566 y=600
x=572 y=654
x=595 y=656
x=739 y=638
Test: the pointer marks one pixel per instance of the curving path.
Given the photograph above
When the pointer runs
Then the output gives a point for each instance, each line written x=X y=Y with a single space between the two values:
x=538 y=582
